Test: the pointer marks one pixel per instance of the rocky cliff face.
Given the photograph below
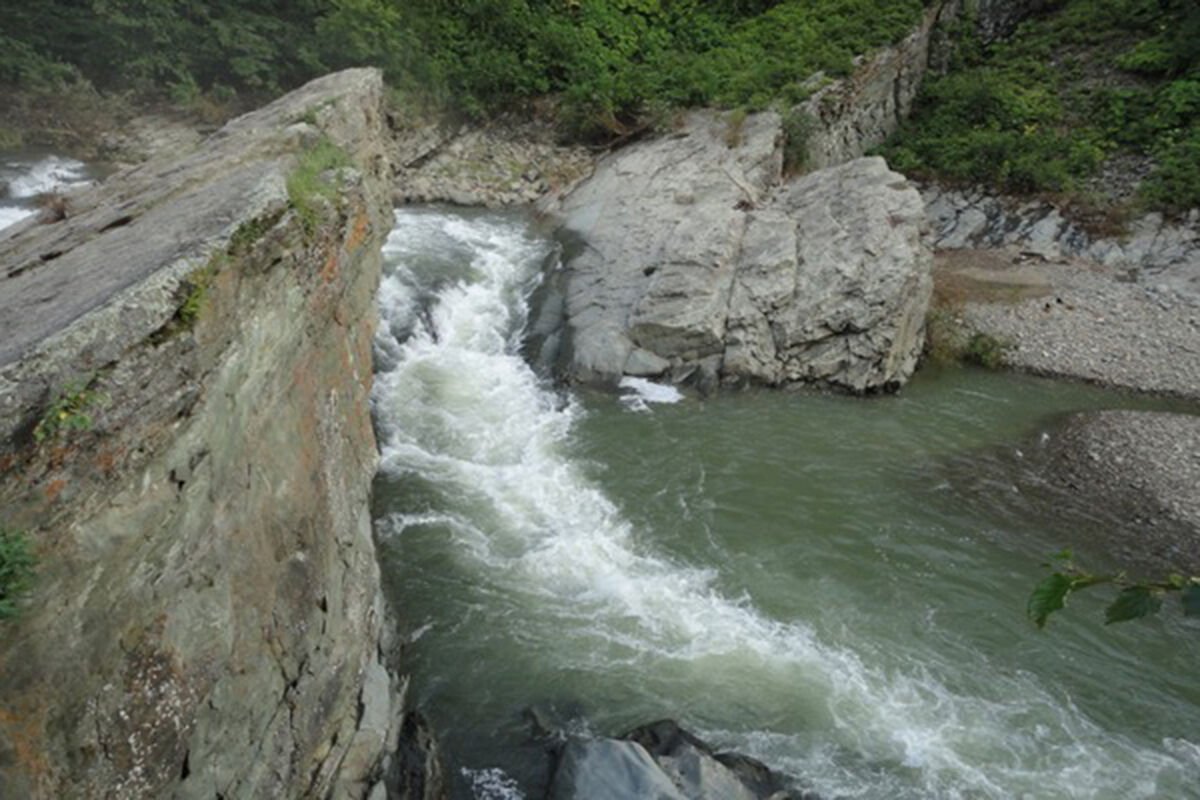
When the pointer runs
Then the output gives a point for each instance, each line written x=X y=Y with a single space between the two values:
x=695 y=262
x=854 y=114
x=207 y=620
x=850 y=116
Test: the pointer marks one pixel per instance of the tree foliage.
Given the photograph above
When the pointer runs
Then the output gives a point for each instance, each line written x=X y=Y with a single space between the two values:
x=1134 y=599
x=1044 y=110
x=611 y=61
x=17 y=563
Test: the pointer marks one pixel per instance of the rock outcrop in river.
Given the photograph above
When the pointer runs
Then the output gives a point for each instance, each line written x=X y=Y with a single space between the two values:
x=185 y=364
x=662 y=761
x=694 y=259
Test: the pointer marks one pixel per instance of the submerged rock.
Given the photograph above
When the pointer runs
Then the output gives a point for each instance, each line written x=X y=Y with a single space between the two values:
x=696 y=262
x=662 y=761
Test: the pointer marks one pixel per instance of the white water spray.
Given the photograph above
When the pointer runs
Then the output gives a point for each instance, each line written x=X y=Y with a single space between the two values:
x=461 y=410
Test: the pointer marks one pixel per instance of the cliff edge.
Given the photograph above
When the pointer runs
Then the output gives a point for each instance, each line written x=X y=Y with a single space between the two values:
x=185 y=437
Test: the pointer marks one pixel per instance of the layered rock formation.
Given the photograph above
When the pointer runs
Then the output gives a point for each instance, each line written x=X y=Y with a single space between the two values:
x=692 y=260
x=847 y=117
x=1163 y=256
x=208 y=619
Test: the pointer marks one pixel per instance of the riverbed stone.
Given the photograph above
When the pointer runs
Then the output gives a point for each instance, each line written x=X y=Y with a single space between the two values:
x=821 y=280
x=1139 y=467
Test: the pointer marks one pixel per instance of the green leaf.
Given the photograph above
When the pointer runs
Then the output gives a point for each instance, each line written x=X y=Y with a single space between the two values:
x=1047 y=597
x=1190 y=599
x=1134 y=602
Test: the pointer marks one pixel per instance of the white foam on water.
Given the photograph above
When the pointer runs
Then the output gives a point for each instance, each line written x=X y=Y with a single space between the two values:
x=28 y=179
x=458 y=406
x=49 y=174
x=492 y=784
x=11 y=215
x=642 y=392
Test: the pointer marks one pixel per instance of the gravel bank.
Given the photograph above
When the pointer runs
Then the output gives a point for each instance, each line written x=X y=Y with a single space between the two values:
x=1074 y=320
x=1144 y=466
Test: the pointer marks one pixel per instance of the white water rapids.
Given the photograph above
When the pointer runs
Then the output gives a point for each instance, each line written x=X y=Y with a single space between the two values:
x=23 y=180
x=546 y=562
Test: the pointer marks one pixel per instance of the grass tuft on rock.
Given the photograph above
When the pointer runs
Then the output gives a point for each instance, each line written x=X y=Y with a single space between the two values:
x=309 y=186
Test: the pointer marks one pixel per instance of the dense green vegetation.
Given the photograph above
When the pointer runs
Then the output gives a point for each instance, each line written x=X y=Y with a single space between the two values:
x=1045 y=109
x=613 y=63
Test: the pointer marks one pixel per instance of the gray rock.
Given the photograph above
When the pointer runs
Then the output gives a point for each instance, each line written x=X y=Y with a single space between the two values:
x=661 y=761
x=854 y=114
x=824 y=280
x=699 y=772
x=644 y=364
x=208 y=618
x=1158 y=253
x=609 y=769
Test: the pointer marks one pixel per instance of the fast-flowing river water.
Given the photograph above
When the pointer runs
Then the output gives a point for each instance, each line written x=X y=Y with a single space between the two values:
x=27 y=176
x=833 y=585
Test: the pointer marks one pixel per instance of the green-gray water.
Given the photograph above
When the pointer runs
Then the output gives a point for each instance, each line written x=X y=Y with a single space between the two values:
x=833 y=585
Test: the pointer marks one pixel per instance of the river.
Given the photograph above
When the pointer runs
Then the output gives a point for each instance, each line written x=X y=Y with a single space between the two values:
x=832 y=585
x=27 y=176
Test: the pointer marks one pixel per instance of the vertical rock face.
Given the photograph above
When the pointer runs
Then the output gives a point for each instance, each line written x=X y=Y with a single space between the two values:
x=854 y=114
x=850 y=116
x=695 y=262
x=207 y=620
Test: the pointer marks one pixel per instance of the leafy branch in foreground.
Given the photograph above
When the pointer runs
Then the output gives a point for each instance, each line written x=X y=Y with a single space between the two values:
x=1134 y=600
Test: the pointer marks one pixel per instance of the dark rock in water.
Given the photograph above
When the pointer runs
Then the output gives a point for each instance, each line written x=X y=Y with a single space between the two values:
x=662 y=760
x=700 y=772
x=609 y=769
x=416 y=772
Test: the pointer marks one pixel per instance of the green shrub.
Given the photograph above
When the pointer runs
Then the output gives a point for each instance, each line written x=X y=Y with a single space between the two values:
x=798 y=127
x=984 y=350
x=71 y=411
x=17 y=563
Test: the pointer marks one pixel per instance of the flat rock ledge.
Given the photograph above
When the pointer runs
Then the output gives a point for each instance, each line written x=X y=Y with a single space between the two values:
x=1140 y=467
x=689 y=258
x=661 y=761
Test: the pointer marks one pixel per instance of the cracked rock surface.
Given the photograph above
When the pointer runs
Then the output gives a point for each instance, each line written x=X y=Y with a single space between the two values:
x=207 y=620
x=691 y=259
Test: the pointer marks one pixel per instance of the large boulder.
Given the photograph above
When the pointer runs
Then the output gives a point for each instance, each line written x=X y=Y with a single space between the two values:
x=691 y=258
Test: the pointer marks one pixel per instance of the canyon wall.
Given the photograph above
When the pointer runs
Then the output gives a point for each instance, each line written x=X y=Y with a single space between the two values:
x=185 y=437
